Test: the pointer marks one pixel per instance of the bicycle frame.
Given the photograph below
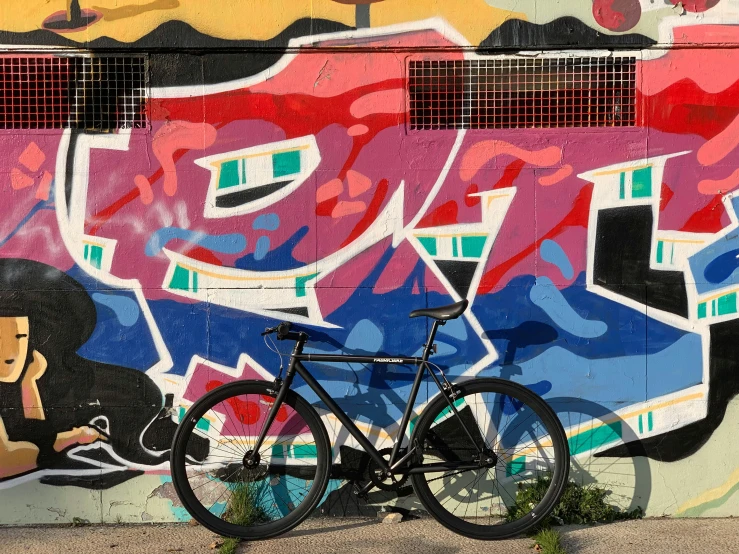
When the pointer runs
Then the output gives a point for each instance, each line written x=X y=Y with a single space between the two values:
x=393 y=465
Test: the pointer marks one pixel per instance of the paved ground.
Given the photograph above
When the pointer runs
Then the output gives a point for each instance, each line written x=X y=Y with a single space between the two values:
x=319 y=536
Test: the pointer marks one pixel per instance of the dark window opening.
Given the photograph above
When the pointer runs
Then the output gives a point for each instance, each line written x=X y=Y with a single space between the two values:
x=78 y=92
x=523 y=92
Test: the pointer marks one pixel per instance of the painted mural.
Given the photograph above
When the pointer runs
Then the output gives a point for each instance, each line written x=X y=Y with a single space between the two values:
x=138 y=266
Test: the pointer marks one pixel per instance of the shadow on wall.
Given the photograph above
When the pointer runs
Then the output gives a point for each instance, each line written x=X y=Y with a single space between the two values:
x=591 y=428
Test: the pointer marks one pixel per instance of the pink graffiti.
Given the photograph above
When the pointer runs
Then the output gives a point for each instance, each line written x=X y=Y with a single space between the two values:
x=19 y=180
x=329 y=190
x=718 y=186
x=713 y=69
x=382 y=101
x=717 y=148
x=42 y=192
x=484 y=151
x=144 y=186
x=179 y=135
x=345 y=208
x=357 y=130
x=32 y=157
x=562 y=173
x=358 y=183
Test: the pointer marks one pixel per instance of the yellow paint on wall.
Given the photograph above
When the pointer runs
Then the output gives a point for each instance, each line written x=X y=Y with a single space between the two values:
x=129 y=20
x=234 y=19
x=474 y=19
x=711 y=494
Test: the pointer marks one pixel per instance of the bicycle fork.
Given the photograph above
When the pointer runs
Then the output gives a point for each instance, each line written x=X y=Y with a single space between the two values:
x=281 y=388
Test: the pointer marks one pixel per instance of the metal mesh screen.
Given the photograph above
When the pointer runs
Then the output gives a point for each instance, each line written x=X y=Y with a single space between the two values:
x=511 y=93
x=78 y=92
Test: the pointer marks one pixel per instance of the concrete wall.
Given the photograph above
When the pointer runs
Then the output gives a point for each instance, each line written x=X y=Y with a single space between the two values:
x=613 y=298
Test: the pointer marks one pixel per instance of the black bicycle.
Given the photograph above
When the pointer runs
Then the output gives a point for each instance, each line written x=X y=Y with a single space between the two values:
x=471 y=448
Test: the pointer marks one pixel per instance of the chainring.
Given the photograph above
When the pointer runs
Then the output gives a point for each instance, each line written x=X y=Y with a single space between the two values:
x=390 y=484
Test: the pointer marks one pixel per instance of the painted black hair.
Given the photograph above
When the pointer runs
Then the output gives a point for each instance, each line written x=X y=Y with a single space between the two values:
x=61 y=313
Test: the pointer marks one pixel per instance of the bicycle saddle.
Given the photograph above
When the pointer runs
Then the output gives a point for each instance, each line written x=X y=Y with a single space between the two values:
x=443 y=313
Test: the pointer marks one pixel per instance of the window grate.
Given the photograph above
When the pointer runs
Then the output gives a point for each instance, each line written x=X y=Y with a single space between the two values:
x=511 y=93
x=78 y=92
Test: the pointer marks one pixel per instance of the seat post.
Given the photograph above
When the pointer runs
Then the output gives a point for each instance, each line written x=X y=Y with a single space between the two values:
x=430 y=343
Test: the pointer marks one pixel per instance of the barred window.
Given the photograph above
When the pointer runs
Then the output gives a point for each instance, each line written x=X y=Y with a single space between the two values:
x=507 y=93
x=100 y=93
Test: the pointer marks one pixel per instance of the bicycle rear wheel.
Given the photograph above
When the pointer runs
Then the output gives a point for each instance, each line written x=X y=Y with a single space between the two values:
x=524 y=442
x=225 y=496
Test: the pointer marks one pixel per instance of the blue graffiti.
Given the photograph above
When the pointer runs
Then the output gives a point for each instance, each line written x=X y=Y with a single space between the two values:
x=620 y=379
x=511 y=315
x=225 y=244
x=547 y=296
x=552 y=252
x=510 y=406
x=112 y=341
x=455 y=328
x=716 y=265
x=125 y=309
x=722 y=266
x=38 y=206
x=262 y=248
x=279 y=258
x=266 y=222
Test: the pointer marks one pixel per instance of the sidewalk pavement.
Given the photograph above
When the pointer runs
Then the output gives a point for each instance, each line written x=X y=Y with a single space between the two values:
x=423 y=536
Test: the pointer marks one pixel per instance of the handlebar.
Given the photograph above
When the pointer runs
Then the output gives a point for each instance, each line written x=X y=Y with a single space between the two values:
x=284 y=333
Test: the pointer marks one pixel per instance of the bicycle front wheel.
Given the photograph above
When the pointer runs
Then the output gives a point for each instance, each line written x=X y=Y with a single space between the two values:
x=250 y=503
x=520 y=448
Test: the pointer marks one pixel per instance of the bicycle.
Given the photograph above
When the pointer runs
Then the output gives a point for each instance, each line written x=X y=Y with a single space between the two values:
x=270 y=469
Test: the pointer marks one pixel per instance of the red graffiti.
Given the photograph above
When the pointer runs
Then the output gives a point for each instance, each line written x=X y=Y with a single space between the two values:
x=446 y=214
x=577 y=217
x=707 y=219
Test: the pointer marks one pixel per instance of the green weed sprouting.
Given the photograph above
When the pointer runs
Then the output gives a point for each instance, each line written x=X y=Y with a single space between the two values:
x=579 y=504
x=243 y=509
x=549 y=541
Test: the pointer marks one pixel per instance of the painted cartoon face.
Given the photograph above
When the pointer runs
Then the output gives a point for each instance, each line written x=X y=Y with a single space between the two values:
x=13 y=347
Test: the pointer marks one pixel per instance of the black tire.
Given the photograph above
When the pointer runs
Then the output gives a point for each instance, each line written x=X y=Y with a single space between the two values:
x=441 y=437
x=226 y=469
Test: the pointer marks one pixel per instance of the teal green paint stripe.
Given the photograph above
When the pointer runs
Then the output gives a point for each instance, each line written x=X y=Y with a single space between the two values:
x=304 y=451
x=472 y=247
x=429 y=244
x=286 y=163
x=650 y=423
x=448 y=410
x=595 y=438
x=515 y=466
x=641 y=425
x=701 y=310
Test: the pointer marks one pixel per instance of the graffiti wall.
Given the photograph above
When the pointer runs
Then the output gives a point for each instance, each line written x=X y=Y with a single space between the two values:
x=567 y=167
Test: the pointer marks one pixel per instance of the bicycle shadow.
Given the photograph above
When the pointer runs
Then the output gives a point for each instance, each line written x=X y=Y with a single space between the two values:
x=593 y=429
